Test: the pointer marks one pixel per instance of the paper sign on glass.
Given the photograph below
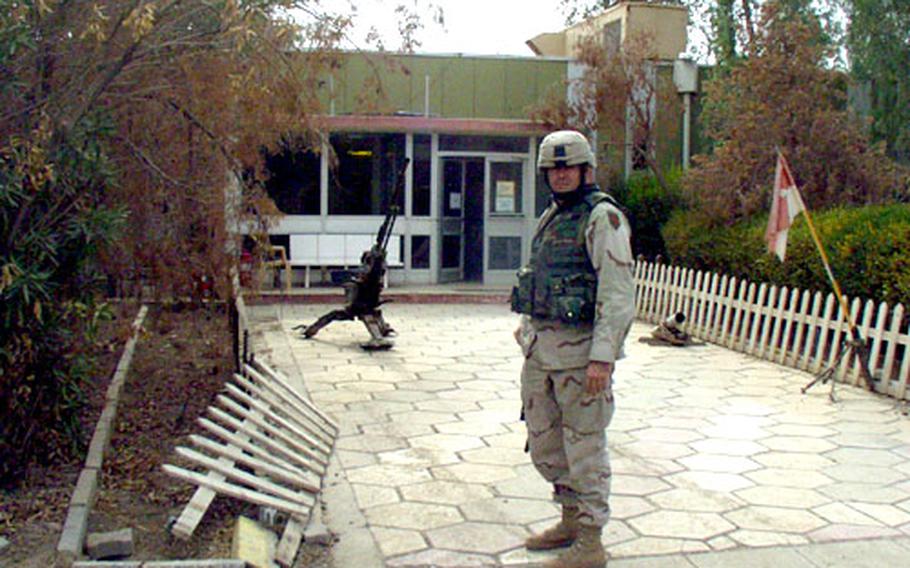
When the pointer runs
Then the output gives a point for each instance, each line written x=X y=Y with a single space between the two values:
x=505 y=196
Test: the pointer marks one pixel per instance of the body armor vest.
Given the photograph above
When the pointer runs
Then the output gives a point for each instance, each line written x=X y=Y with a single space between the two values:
x=560 y=282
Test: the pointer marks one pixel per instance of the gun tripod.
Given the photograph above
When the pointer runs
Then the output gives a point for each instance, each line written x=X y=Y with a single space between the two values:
x=856 y=347
x=379 y=329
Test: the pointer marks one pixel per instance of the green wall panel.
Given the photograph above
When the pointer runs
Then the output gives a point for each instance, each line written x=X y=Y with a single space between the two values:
x=460 y=86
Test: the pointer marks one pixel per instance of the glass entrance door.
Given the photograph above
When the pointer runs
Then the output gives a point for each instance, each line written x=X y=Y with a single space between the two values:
x=461 y=222
x=505 y=218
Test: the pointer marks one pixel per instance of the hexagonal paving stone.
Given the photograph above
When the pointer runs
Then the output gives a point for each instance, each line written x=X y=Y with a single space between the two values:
x=864 y=440
x=637 y=485
x=887 y=514
x=364 y=386
x=728 y=447
x=652 y=449
x=626 y=507
x=421 y=457
x=446 y=442
x=718 y=463
x=486 y=416
x=403 y=396
x=408 y=515
x=372 y=495
x=709 y=480
x=388 y=475
x=398 y=541
x=474 y=473
x=529 y=485
x=765 y=538
x=510 y=440
x=667 y=435
x=398 y=429
x=426 y=385
x=445 y=492
x=735 y=433
x=680 y=524
x=793 y=460
x=695 y=500
x=440 y=405
x=774 y=519
x=797 y=444
x=835 y=533
x=647 y=546
x=840 y=513
x=472 y=428
x=350 y=459
x=441 y=559
x=861 y=473
x=496 y=456
x=863 y=456
x=780 y=477
x=370 y=443
x=634 y=465
x=805 y=419
x=477 y=537
x=509 y=510
x=864 y=492
x=422 y=417
x=782 y=497
x=801 y=430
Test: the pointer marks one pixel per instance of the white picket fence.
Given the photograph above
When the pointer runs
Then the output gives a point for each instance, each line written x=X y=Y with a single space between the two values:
x=797 y=328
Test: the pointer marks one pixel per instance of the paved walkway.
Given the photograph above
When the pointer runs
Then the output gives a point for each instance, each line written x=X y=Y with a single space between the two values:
x=718 y=459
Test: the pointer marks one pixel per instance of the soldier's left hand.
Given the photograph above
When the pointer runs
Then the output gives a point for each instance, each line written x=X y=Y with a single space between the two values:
x=599 y=376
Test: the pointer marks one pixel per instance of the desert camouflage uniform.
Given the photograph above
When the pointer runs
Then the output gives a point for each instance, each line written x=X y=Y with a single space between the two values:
x=566 y=426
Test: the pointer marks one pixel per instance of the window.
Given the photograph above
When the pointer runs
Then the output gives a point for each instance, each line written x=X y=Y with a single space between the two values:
x=293 y=180
x=420 y=189
x=505 y=253
x=420 y=251
x=451 y=142
x=506 y=187
x=364 y=179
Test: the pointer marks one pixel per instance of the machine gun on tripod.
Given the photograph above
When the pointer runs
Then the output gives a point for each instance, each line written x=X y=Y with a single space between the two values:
x=363 y=292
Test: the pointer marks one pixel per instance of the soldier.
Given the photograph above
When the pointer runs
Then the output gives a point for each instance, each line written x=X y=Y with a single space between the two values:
x=576 y=297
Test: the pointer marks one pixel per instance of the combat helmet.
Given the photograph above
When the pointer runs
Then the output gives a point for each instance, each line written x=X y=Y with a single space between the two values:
x=566 y=148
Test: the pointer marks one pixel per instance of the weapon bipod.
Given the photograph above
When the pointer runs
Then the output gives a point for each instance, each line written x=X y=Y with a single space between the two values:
x=856 y=347
x=377 y=326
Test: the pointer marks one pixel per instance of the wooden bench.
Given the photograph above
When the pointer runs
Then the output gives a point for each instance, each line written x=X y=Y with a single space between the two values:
x=338 y=250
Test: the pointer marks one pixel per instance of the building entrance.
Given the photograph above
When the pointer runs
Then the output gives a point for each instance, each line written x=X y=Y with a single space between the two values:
x=461 y=226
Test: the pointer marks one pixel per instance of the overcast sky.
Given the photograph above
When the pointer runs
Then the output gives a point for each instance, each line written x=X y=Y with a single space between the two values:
x=471 y=26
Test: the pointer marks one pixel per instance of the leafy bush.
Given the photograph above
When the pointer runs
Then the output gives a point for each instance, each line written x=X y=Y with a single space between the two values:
x=649 y=207
x=51 y=225
x=866 y=246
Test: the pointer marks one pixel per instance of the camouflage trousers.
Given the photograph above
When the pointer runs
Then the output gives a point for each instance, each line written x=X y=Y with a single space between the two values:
x=567 y=437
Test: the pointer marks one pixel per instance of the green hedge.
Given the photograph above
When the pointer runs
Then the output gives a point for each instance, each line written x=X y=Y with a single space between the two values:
x=868 y=247
x=649 y=207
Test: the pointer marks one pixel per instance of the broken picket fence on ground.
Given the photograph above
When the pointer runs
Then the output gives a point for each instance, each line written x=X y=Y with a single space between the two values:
x=269 y=446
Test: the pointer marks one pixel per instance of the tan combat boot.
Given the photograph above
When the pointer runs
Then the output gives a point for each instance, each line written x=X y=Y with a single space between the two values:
x=560 y=535
x=586 y=552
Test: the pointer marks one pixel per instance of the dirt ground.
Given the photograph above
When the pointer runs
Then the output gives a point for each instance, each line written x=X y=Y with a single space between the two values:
x=181 y=361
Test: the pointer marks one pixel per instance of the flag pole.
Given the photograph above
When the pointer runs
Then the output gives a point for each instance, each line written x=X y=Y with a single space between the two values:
x=858 y=343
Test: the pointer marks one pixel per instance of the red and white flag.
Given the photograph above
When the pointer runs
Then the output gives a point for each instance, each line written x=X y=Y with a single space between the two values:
x=786 y=204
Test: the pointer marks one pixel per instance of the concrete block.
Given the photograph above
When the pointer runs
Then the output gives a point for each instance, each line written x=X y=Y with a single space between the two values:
x=86 y=488
x=253 y=544
x=69 y=547
x=101 y=439
x=114 y=544
x=209 y=563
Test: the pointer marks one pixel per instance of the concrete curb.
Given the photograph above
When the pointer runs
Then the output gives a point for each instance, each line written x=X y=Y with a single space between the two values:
x=72 y=538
